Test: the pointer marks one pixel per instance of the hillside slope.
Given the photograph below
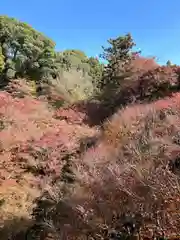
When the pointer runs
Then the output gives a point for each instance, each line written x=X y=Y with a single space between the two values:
x=34 y=148
x=87 y=151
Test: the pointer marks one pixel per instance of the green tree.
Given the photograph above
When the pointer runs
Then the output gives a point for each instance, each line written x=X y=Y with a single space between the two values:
x=77 y=60
x=75 y=52
x=118 y=56
x=96 y=69
x=62 y=61
x=168 y=63
x=26 y=51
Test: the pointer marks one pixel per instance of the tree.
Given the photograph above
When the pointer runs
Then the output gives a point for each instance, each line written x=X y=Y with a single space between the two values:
x=168 y=63
x=73 y=60
x=118 y=55
x=96 y=69
x=77 y=60
x=26 y=52
x=75 y=52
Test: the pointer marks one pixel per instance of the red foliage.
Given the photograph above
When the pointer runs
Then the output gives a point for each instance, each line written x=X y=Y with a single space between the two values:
x=129 y=172
x=71 y=114
x=131 y=168
x=150 y=85
x=160 y=82
x=143 y=64
x=147 y=82
x=32 y=138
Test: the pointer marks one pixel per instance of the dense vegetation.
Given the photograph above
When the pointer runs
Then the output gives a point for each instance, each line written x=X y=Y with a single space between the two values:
x=87 y=151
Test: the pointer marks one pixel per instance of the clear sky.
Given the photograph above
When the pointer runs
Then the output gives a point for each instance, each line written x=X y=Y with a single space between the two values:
x=86 y=25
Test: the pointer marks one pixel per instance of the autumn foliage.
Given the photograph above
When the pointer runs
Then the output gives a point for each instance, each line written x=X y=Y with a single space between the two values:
x=34 y=149
x=122 y=178
x=105 y=167
x=127 y=183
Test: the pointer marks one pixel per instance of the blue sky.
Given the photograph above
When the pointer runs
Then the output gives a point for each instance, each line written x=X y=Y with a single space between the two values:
x=86 y=25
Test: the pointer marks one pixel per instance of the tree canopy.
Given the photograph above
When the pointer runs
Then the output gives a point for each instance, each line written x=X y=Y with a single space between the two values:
x=28 y=53
x=25 y=50
x=118 y=55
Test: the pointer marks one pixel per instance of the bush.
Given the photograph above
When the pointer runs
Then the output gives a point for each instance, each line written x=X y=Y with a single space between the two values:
x=125 y=183
x=36 y=150
x=73 y=86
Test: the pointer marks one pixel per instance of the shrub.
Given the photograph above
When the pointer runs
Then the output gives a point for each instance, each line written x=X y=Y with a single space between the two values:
x=73 y=86
x=36 y=150
x=124 y=184
x=143 y=86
